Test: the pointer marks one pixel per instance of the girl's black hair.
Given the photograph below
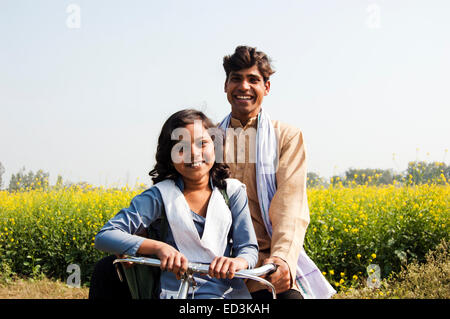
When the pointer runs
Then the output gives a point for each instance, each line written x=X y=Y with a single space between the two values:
x=164 y=168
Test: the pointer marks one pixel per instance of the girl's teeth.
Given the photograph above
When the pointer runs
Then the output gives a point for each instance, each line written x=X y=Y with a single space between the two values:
x=196 y=164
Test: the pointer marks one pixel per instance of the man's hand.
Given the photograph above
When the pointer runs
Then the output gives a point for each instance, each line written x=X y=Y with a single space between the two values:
x=281 y=278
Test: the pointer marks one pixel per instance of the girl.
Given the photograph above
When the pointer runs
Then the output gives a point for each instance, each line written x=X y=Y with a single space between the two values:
x=202 y=226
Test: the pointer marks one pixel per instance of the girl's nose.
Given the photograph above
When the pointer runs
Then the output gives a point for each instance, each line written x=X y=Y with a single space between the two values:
x=196 y=151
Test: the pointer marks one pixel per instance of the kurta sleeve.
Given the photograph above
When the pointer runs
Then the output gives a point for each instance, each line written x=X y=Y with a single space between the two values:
x=121 y=234
x=288 y=211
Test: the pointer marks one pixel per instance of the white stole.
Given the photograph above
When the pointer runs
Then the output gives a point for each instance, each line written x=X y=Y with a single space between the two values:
x=217 y=225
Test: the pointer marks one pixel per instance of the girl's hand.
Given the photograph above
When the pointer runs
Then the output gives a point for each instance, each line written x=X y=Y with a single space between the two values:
x=172 y=260
x=225 y=267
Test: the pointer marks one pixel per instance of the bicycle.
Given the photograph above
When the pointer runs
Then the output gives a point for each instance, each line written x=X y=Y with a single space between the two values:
x=188 y=278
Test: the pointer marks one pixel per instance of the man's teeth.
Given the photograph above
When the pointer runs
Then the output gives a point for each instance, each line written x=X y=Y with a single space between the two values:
x=244 y=97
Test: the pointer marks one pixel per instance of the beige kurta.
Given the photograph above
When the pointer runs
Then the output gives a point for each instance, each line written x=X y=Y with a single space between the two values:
x=288 y=210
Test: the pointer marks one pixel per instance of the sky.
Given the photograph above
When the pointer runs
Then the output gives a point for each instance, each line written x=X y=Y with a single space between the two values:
x=85 y=86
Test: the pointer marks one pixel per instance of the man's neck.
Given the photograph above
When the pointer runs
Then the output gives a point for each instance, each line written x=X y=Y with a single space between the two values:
x=244 y=118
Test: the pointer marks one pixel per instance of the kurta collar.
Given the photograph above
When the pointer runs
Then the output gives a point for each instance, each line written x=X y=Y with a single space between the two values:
x=237 y=123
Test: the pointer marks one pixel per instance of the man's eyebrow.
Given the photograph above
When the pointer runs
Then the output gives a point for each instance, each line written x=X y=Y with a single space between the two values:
x=252 y=75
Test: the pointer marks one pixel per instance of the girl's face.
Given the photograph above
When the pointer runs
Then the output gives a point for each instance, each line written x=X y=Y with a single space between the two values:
x=193 y=156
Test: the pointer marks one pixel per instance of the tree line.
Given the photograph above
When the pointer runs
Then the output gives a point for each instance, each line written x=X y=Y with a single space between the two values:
x=31 y=180
x=417 y=172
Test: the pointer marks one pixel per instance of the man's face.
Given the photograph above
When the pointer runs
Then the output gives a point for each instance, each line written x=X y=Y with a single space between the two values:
x=245 y=91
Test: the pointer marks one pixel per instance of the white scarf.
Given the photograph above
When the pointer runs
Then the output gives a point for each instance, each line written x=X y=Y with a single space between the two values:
x=217 y=225
x=308 y=276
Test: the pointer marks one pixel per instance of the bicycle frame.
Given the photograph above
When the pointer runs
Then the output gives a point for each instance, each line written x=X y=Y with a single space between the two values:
x=187 y=280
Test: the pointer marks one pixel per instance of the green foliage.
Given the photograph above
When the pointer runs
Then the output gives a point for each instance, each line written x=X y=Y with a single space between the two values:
x=423 y=173
x=22 y=181
x=314 y=180
x=370 y=177
x=428 y=280
x=416 y=173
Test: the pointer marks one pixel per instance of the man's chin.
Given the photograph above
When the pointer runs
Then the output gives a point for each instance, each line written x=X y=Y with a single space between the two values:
x=245 y=110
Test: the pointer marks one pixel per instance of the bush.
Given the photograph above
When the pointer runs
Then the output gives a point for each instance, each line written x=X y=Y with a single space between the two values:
x=429 y=280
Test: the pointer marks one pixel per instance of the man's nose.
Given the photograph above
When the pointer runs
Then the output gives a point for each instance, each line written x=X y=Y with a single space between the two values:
x=244 y=85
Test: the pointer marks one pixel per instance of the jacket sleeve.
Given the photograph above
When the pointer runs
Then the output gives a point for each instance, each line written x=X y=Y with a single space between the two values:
x=122 y=233
x=288 y=210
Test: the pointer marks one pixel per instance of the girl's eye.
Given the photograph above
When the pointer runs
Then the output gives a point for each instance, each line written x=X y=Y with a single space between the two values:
x=181 y=145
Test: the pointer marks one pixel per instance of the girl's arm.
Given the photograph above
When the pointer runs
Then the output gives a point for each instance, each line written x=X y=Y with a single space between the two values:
x=123 y=234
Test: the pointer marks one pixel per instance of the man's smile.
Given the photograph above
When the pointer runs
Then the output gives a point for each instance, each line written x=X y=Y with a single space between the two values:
x=242 y=97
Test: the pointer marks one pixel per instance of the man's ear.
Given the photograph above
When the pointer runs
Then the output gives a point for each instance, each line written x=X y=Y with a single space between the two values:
x=225 y=86
x=267 y=87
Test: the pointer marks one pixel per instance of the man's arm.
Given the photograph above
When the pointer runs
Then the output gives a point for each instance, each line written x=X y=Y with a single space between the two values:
x=289 y=208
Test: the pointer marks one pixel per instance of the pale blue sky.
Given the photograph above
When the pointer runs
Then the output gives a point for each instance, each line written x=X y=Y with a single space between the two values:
x=363 y=79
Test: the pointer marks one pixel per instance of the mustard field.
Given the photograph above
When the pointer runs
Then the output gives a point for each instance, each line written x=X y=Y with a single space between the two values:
x=355 y=233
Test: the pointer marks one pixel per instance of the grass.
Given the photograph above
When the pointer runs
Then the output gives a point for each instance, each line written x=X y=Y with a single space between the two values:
x=42 y=288
x=430 y=280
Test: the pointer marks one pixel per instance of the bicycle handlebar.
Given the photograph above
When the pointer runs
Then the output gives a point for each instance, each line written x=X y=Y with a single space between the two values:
x=200 y=268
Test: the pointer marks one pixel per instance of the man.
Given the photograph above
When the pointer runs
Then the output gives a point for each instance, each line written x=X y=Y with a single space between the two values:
x=281 y=218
